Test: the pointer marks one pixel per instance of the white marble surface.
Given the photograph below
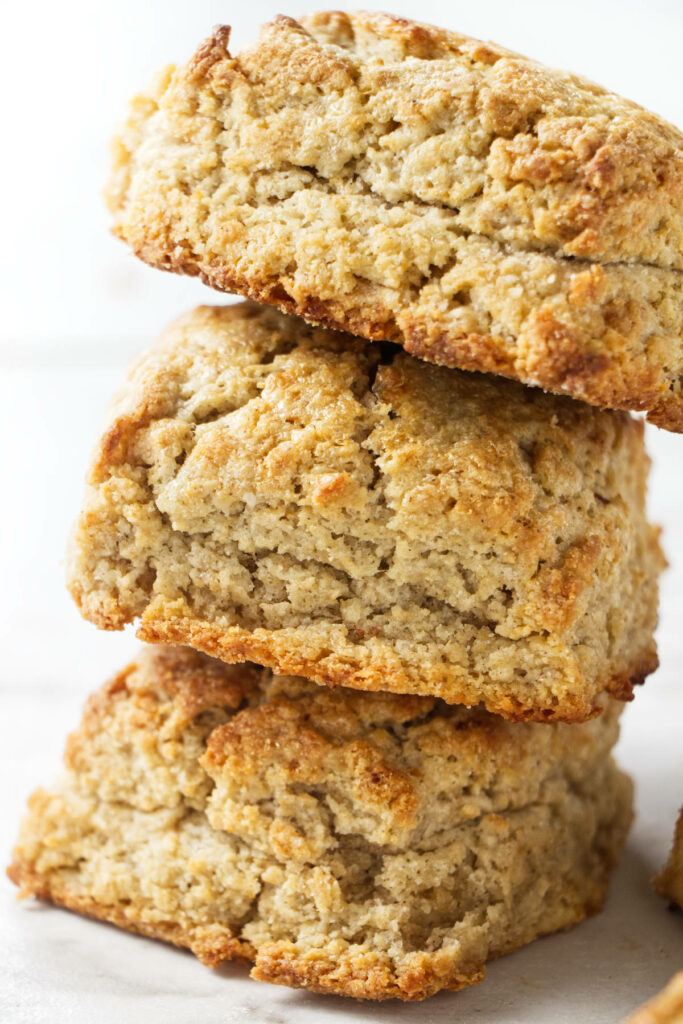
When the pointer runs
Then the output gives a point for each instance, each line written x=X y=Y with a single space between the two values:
x=58 y=968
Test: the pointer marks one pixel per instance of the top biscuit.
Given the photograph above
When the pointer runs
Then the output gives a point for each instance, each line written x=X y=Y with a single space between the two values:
x=410 y=184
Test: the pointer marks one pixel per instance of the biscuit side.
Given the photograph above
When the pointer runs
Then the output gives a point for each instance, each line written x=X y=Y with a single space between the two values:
x=356 y=844
x=365 y=103
x=285 y=186
x=275 y=493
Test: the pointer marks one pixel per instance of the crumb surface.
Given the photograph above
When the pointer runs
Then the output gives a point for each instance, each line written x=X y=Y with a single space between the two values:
x=410 y=184
x=368 y=845
x=271 y=492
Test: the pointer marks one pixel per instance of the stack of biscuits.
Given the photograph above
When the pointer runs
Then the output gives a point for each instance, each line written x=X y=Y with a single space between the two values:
x=383 y=524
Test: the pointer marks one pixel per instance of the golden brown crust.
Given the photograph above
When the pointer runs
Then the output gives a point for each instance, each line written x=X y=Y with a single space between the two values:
x=559 y=357
x=465 y=194
x=366 y=845
x=211 y=944
x=366 y=976
x=565 y=165
x=665 y=1008
x=271 y=492
x=235 y=646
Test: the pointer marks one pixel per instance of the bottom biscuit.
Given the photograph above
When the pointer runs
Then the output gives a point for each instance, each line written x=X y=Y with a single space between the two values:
x=362 y=844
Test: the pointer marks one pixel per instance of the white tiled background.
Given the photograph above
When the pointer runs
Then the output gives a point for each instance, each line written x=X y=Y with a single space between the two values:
x=73 y=307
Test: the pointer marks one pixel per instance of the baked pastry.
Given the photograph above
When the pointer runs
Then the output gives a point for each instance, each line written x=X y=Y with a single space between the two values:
x=669 y=881
x=367 y=845
x=410 y=184
x=271 y=492
x=665 y=1008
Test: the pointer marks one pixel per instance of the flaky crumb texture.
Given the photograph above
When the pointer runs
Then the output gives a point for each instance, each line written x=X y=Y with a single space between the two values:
x=271 y=492
x=410 y=184
x=367 y=845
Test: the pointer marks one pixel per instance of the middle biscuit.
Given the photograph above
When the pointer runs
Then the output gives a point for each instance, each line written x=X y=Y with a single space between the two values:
x=339 y=510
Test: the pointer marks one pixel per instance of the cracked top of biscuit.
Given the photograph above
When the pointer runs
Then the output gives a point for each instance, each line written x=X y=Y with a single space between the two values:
x=518 y=152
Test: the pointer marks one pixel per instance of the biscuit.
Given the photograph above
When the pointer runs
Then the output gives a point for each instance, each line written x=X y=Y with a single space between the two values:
x=271 y=492
x=367 y=845
x=665 y=1008
x=669 y=882
x=410 y=184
